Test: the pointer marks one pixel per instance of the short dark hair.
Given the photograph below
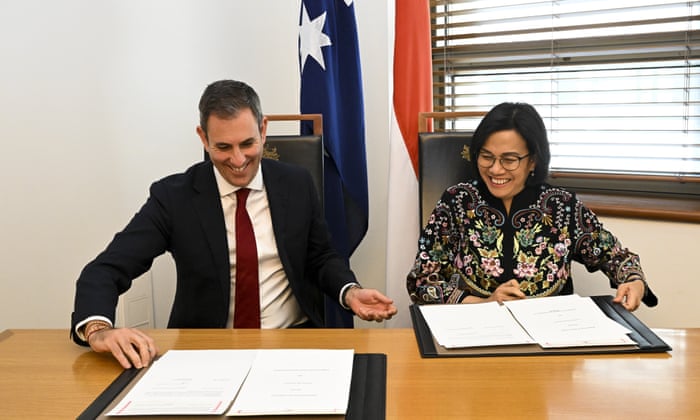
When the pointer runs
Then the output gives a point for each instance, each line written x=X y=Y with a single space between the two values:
x=227 y=98
x=524 y=119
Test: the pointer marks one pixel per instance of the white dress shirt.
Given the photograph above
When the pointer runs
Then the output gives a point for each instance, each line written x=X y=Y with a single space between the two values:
x=278 y=306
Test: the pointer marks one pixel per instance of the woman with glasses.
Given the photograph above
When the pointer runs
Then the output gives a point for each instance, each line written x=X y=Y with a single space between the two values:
x=508 y=234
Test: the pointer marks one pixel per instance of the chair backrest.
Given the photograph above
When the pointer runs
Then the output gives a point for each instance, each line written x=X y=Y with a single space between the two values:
x=303 y=150
x=442 y=162
x=443 y=158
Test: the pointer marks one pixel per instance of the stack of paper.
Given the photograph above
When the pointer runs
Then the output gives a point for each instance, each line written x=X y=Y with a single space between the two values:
x=259 y=382
x=559 y=321
x=473 y=325
x=568 y=321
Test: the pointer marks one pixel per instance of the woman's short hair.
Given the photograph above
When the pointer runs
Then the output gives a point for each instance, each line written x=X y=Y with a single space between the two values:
x=524 y=119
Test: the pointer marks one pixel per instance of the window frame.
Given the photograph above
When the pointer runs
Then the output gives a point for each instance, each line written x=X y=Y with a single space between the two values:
x=618 y=195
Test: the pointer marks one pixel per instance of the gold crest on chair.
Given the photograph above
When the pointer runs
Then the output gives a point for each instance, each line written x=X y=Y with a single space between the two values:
x=270 y=152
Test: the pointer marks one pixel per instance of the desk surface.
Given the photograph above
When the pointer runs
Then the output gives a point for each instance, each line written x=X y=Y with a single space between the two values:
x=44 y=375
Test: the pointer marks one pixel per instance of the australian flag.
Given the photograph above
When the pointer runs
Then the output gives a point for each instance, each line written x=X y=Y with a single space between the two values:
x=331 y=84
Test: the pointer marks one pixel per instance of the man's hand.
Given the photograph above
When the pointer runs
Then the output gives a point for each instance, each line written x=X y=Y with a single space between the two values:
x=630 y=294
x=131 y=347
x=370 y=304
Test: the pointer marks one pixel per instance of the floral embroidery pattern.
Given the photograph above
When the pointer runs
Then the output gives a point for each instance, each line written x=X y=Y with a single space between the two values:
x=461 y=250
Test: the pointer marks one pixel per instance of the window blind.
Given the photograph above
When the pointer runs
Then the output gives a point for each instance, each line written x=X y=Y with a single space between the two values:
x=617 y=82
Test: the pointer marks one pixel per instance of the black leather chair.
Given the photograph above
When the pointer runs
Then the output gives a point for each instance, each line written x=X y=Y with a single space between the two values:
x=305 y=151
x=443 y=158
x=443 y=161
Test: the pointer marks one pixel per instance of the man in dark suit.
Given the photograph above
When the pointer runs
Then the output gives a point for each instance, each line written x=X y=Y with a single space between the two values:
x=193 y=216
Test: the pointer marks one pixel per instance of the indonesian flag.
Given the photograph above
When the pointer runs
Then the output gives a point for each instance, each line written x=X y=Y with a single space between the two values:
x=412 y=94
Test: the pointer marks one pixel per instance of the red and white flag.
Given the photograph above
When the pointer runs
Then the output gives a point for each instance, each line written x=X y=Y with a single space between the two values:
x=413 y=93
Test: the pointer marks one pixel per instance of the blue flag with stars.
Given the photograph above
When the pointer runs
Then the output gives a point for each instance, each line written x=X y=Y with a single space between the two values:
x=331 y=84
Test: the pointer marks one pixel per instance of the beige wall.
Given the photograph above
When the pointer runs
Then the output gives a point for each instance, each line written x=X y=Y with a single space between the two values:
x=667 y=252
x=98 y=99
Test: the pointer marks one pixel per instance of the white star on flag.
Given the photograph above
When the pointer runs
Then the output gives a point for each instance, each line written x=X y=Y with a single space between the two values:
x=312 y=38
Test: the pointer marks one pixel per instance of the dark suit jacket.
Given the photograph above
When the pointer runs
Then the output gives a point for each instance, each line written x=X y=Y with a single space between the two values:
x=183 y=215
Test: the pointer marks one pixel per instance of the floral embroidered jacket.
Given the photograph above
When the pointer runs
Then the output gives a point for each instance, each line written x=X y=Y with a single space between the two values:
x=470 y=245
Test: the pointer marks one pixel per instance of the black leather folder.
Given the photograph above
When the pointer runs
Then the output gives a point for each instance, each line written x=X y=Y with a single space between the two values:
x=647 y=341
x=367 y=392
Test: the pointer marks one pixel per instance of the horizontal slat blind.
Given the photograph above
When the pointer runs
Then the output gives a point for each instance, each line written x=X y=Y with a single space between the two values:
x=617 y=82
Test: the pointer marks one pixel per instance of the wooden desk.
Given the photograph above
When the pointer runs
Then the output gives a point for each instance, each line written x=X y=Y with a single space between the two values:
x=44 y=375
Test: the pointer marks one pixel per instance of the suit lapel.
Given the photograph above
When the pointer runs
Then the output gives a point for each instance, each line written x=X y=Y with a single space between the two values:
x=277 y=197
x=207 y=204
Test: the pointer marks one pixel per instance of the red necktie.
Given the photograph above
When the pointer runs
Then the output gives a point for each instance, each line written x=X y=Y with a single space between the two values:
x=247 y=310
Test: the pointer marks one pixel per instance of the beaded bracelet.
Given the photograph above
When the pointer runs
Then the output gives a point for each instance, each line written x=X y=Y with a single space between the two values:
x=93 y=327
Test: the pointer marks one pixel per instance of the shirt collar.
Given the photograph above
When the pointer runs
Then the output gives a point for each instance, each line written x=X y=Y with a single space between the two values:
x=225 y=188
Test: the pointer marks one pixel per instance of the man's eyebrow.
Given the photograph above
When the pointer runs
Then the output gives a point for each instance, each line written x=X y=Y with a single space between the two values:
x=248 y=140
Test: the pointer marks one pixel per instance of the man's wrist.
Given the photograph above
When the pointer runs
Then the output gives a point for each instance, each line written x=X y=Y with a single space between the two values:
x=79 y=329
x=344 y=294
x=91 y=327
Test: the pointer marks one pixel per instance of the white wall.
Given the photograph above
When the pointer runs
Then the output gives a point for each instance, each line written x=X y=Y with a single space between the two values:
x=98 y=99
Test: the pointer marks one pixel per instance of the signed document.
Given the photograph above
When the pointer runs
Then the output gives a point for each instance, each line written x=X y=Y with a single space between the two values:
x=244 y=382
x=551 y=322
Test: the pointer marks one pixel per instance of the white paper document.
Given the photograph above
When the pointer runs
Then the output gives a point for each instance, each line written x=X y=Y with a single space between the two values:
x=259 y=382
x=296 y=382
x=473 y=325
x=568 y=321
x=551 y=322
x=188 y=382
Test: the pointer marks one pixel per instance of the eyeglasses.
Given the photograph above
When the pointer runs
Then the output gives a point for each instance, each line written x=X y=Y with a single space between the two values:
x=509 y=163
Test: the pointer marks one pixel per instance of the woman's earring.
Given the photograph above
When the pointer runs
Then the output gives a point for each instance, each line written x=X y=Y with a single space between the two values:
x=532 y=173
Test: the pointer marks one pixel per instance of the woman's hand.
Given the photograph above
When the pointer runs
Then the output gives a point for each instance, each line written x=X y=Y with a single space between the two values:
x=509 y=290
x=630 y=294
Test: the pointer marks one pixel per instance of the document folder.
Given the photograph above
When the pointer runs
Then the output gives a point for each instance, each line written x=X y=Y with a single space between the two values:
x=647 y=341
x=367 y=392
